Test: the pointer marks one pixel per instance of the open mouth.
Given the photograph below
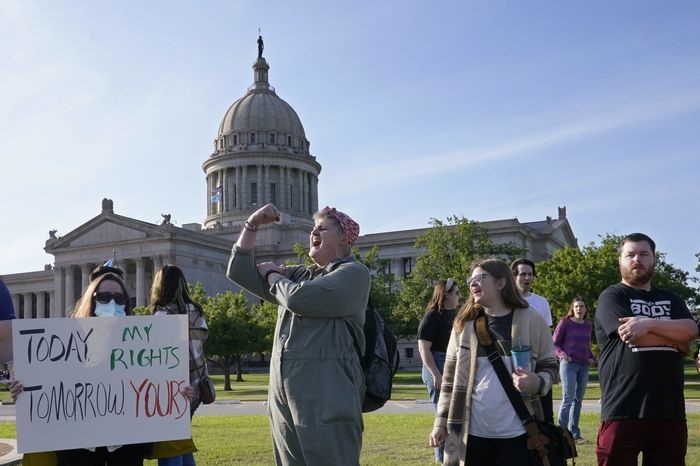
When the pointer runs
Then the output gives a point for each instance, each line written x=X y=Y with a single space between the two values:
x=315 y=242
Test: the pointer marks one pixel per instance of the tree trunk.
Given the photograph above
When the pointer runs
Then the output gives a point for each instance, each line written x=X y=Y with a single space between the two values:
x=239 y=368
x=227 y=373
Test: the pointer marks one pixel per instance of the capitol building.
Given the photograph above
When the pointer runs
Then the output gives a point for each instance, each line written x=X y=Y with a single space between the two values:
x=261 y=154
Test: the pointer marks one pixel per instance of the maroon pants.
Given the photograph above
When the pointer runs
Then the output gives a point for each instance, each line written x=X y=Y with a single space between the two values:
x=662 y=442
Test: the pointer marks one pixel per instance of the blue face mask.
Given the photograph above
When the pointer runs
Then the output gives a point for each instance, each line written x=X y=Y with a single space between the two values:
x=111 y=309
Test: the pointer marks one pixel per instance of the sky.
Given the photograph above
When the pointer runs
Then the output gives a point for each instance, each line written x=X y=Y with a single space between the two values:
x=415 y=110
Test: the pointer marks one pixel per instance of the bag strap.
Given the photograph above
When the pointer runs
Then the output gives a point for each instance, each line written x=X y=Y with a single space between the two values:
x=536 y=440
x=364 y=360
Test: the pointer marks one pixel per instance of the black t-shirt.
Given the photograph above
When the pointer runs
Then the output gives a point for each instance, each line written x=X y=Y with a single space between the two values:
x=638 y=382
x=436 y=327
x=501 y=328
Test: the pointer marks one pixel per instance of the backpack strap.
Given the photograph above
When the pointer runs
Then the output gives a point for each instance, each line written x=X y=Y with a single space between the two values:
x=536 y=440
x=370 y=330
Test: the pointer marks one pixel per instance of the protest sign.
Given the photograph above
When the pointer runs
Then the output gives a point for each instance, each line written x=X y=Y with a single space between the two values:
x=100 y=381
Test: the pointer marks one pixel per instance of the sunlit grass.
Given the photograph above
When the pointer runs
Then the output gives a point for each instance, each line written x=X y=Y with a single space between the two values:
x=389 y=439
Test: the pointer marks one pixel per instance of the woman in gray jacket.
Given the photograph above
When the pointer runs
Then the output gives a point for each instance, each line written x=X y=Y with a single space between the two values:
x=316 y=382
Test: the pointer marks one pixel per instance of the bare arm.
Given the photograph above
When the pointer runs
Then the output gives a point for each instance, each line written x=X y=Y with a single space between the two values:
x=643 y=331
x=266 y=214
x=429 y=361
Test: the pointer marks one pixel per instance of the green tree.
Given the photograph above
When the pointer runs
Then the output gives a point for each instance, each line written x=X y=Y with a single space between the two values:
x=448 y=250
x=235 y=331
x=383 y=288
x=587 y=272
x=141 y=311
x=198 y=294
x=302 y=254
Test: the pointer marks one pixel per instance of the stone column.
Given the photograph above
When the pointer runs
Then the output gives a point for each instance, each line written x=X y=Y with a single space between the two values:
x=245 y=189
x=300 y=190
x=208 y=194
x=52 y=298
x=157 y=264
x=267 y=198
x=41 y=304
x=224 y=190
x=281 y=195
x=314 y=193
x=27 y=305
x=140 y=282
x=288 y=187
x=260 y=185
x=305 y=190
x=237 y=195
x=15 y=304
x=58 y=305
x=84 y=276
x=230 y=179
x=70 y=287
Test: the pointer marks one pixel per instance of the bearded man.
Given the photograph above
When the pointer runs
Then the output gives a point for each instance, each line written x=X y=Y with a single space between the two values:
x=643 y=333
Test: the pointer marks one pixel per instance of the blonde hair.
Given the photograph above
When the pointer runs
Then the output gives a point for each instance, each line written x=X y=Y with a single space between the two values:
x=509 y=293
x=85 y=306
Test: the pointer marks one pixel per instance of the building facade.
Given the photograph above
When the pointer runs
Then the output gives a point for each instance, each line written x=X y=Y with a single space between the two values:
x=260 y=155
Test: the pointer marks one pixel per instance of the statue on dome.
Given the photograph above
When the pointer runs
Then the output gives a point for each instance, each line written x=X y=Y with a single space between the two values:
x=166 y=219
x=261 y=46
x=52 y=234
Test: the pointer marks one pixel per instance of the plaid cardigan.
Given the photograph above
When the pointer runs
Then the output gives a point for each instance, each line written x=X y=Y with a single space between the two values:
x=454 y=405
x=198 y=332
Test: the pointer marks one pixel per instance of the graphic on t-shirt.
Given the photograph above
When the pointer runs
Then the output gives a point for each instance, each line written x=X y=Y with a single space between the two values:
x=656 y=309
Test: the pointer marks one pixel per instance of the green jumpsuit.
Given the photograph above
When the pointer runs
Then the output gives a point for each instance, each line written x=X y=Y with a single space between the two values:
x=316 y=382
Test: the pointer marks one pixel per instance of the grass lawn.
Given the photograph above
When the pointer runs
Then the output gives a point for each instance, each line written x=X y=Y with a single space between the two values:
x=407 y=386
x=389 y=439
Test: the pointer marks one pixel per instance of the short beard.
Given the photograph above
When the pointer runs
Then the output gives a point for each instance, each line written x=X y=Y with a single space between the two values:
x=637 y=280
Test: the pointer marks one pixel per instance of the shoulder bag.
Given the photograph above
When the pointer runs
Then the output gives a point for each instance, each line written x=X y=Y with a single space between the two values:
x=207 y=392
x=549 y=445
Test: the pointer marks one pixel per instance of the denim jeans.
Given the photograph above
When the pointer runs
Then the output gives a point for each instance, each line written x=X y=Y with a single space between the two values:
x=184 y=460
x=574 y=378
x=432 y=392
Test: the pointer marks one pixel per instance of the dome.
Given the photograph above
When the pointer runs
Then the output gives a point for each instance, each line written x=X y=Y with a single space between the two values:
x=261 y=110
x=261 y=118
x=261 y=155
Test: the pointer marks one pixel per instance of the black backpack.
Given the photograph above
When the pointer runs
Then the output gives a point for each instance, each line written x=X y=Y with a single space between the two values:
x=380 y=361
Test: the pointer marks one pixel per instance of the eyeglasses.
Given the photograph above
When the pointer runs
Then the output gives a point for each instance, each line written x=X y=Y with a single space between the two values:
x=103 y=297
x=478 y=279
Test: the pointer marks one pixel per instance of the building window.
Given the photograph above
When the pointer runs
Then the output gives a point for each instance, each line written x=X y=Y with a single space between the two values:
x=272 y=138
x=407 y=266
x=385 y=265
x=408 y=353
x=235 y=139
x=253 y=193
x=273 y=193
x=289 y=140
x=252 y=138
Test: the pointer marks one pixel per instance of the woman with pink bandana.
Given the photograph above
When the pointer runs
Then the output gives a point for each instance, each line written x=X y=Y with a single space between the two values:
x=316 y=382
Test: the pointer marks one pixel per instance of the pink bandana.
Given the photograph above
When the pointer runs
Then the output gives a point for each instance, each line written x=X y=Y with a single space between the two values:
x=351 y=229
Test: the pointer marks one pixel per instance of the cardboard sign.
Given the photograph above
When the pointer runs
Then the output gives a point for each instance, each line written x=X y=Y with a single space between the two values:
x=100 y=381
